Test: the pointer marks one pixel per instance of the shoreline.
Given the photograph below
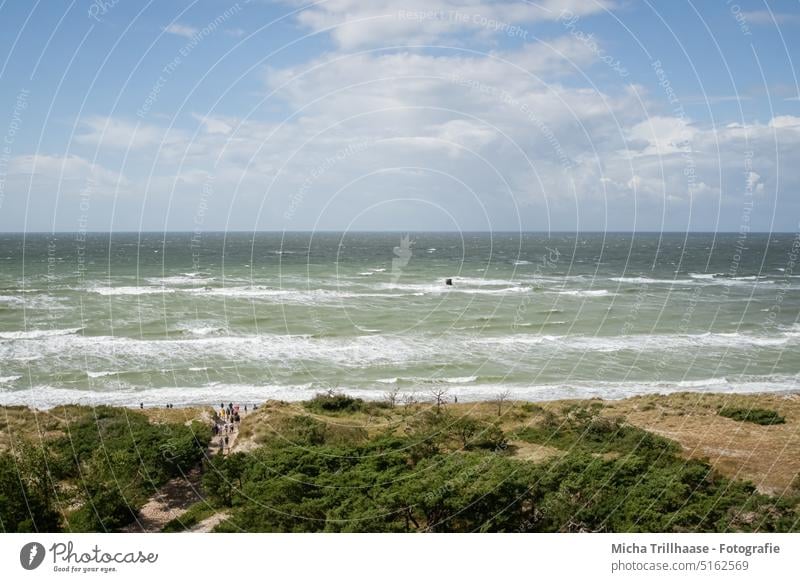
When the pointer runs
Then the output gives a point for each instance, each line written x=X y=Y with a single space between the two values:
x=376 y=396
x=464 y=394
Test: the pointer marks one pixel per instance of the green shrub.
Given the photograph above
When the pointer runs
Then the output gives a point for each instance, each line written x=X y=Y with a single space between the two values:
x=754 y=415
x=24 y=506
x=334 y=402
x=190 y=518
x=116 y=459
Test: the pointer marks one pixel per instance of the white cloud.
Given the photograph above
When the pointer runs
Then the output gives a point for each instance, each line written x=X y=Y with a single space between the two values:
x=117 y=133
x=785 y=121
x=355 y=23
x=183 y=30
x=766 y=17
x=662 y=135
x=213 y=124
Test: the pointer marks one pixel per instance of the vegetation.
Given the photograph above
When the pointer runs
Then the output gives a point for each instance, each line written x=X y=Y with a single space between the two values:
x=334 y=402
x=193 y=516
x=446 y=473
x=339 y=464
x=754 y=415
x=104 y=466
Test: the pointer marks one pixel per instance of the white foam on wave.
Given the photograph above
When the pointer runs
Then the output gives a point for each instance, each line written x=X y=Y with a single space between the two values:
x=11 y=299
x=9 y=379
x=277 y=295
x=585 y=292
x=723 y=279
x=357 y=352
x=206 y=330
x=181 y=280
x=465 y=285
x=649 y=281
x=420 y=380
x=100 y=374
x=702 y=276
x=203 y=328
x=123 y=291
x=35 y=334
x=460 y=380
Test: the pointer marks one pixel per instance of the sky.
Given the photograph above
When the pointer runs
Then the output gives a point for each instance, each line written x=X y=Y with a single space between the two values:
x=592 y=115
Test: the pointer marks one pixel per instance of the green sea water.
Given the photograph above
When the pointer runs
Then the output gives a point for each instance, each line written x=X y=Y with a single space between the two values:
x=188 y=318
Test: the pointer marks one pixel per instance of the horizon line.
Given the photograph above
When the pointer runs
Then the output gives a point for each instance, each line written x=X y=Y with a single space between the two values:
x=365 y=231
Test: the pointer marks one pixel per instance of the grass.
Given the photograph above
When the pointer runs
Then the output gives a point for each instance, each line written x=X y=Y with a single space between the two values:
x=755 y=415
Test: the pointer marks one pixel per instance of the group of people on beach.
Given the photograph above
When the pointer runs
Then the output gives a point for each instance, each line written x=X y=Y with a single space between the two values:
x=227 y=422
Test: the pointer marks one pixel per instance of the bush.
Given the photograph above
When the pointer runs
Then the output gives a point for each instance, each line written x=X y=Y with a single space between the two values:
x=754 y=415
x=23 y=506
x=334 y=402
x=116 y=459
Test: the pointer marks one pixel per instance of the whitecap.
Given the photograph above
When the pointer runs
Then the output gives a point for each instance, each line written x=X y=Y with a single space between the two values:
x=38 y=333
x=586 y=292
x=180 y=280
x=100 y=374
x=131 y=290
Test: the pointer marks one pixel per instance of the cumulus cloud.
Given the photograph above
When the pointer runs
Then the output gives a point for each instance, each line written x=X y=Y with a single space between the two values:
x=490 y=138
x=64 y=169
x=119 y=133
x=183 y=30
x=353 y=24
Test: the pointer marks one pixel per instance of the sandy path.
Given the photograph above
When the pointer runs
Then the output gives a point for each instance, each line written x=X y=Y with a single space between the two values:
x=178 y=494
x=169 y=502
x=209 y=523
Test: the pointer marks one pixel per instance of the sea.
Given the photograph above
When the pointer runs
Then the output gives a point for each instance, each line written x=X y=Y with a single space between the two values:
x=202 y=318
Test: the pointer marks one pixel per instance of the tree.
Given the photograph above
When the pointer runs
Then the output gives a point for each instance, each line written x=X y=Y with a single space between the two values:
x=439 y=398
x=222 y=478
x=500 y=399
x=27 y=492
x=391 y=397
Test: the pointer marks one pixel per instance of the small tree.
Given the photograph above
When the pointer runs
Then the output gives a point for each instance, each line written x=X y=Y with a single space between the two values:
x=500 y=399
x=392 y=396
x=439 y=398
x=409 y=400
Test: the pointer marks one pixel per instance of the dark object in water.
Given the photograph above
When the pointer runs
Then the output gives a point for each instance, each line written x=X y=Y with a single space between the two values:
x=448 y=281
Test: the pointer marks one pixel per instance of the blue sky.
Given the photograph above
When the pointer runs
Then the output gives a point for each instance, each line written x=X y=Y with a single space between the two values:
x=399 y=115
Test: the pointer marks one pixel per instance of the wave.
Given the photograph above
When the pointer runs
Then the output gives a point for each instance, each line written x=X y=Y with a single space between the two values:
x=100 y=374
x=38 y=333
x=277 y=295
x=585 y=292
x=9 y=379
x=649 y=281
x=293 y=353
x=11 y=299
x=181 y=280
x=202 y=328
x=420 y=380
x=696 y=279
x=111 y=291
